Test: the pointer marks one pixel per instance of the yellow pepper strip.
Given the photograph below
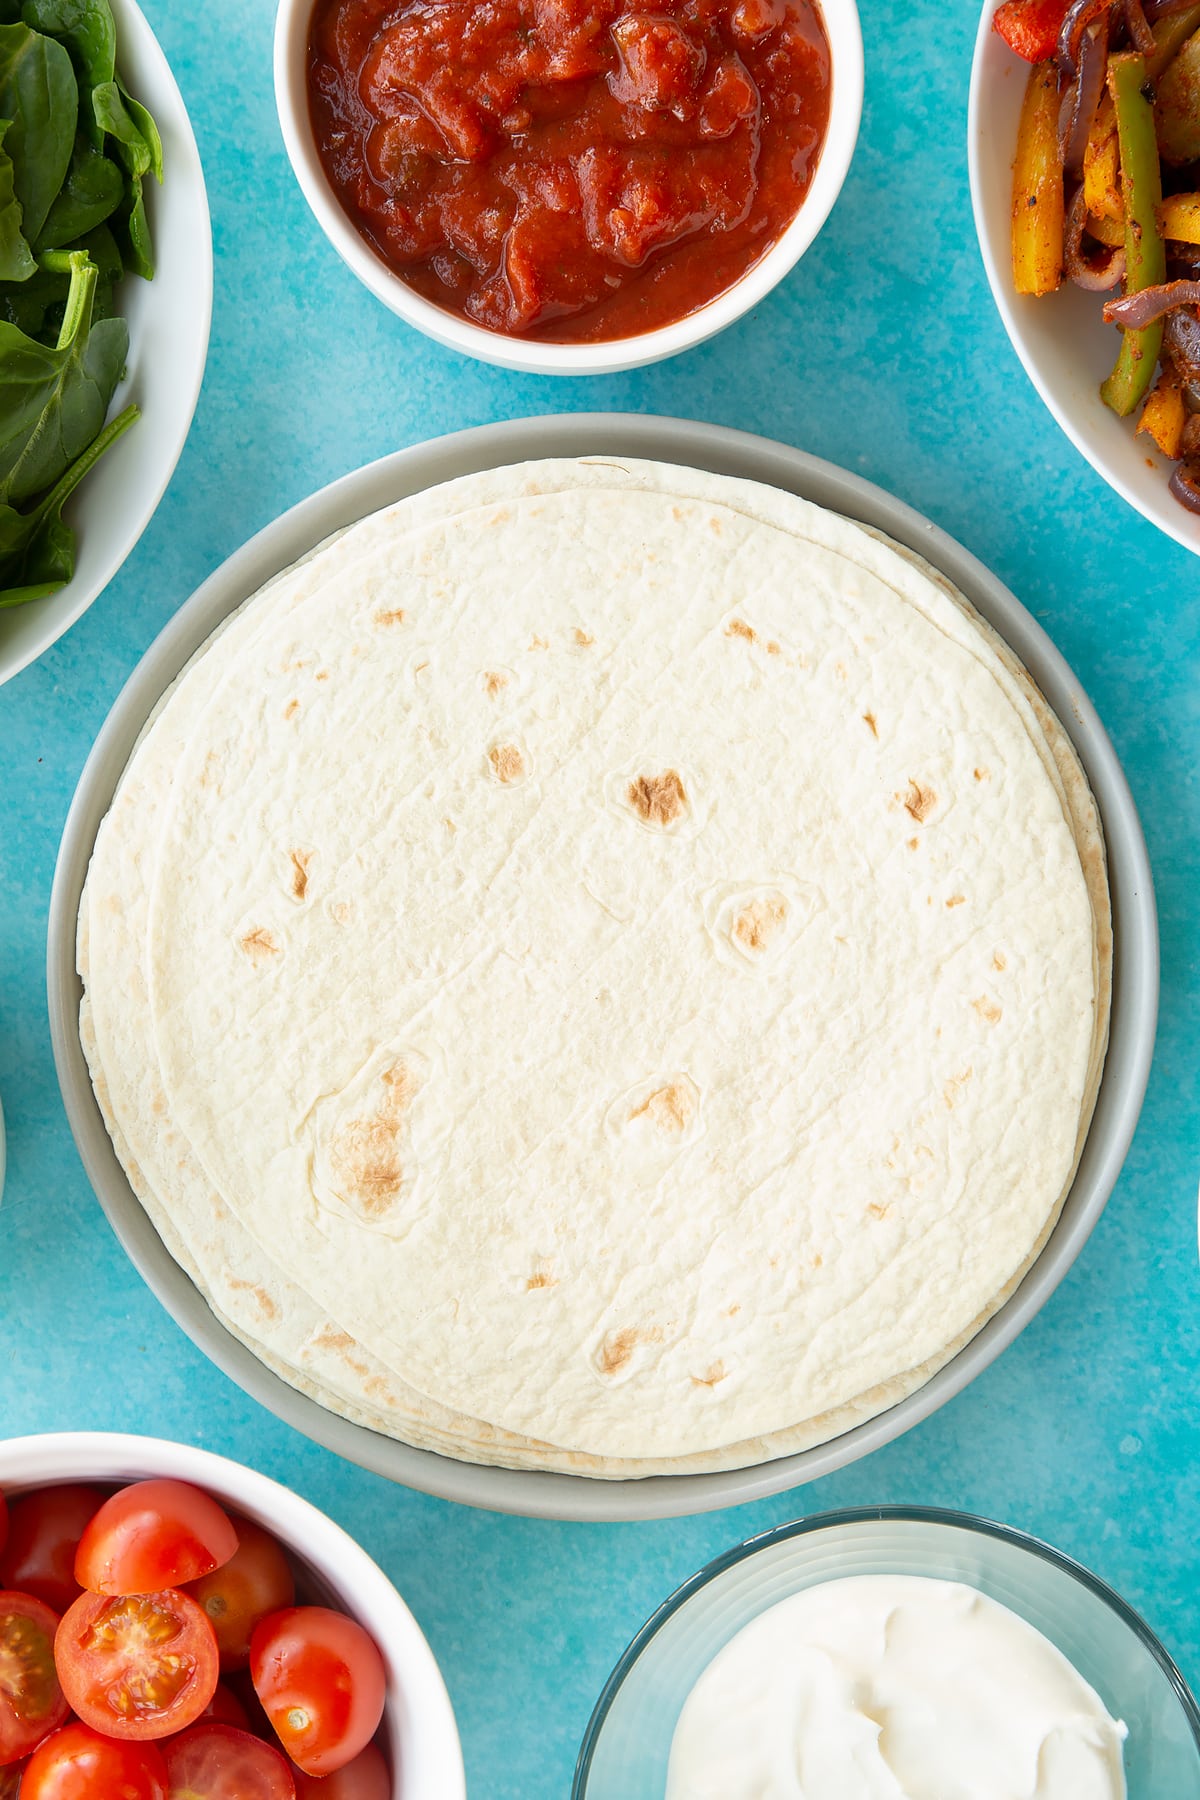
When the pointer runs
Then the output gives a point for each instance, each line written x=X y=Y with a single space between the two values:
x=1145 y=257
x=1102 y=165
x=1164 y=416
x=1170 y=35
x=1106 y=231
x=1037 y=207
x=1179 y=218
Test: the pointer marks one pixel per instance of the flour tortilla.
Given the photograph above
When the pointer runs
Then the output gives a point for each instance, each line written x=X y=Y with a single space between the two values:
x=886 y=1390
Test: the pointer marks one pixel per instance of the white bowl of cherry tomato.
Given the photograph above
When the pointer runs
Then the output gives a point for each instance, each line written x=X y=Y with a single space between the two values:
x=174 y=1626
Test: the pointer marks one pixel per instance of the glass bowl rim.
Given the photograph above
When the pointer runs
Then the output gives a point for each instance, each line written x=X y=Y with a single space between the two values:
x=868 y=1515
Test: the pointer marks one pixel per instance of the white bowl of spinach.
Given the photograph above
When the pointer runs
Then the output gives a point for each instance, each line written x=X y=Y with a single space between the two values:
x=105 y=302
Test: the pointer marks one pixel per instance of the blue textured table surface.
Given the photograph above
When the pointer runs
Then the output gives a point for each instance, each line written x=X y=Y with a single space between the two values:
x=883 y=353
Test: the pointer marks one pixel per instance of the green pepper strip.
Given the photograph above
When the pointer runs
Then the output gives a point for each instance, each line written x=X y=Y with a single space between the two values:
x=1145 y=257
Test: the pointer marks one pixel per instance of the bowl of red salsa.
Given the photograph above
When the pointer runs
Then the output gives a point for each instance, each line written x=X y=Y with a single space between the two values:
x=569 y=186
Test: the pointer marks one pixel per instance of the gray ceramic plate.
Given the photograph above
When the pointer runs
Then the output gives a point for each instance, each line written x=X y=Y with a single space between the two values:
x=1135 y=998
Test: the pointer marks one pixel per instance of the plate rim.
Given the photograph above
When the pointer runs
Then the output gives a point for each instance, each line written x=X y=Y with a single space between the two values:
x=537 y=1493
x=60 y=622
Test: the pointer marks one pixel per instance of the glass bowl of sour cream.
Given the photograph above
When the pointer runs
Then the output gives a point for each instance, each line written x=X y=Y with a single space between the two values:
x=893 y=1650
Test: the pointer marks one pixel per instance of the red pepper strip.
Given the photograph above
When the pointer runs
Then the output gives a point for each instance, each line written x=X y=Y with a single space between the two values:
x=1031 y=27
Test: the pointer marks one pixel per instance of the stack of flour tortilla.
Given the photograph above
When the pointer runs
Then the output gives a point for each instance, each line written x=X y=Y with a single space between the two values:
x=604 y=967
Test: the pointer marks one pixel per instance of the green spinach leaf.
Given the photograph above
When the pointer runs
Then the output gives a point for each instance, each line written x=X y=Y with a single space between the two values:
x=38 y=94
x=37 y=549
x=92 y=192
x=140 y=149
x=16 y=258
x=88 y=32
x=53 y=401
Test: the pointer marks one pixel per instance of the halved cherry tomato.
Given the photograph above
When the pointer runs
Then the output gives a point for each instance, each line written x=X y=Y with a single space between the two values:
x=225 y=1708
x=10 y=1780
x=44 y=1530
x=1031 y=27
x=256 y=1580
x=153 y=1535
x=78 y=1764
x=137 y=1666
x=31 y=1700
x=215 y=1762
x=322 y=1682
x=366 y=1778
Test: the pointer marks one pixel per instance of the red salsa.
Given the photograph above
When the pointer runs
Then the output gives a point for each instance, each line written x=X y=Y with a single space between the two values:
x=577 y=170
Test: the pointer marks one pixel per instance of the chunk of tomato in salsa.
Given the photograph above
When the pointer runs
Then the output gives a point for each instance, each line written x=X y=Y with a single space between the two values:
x=574 y=169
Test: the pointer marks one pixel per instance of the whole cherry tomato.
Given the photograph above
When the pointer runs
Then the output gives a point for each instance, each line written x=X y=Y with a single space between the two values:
x=78 y=1764
x=215 y=1762
x=44 y=1529
x=366 y=1778
x=322 y=1682
x=256 y=1580
x=31 y=1700
x=137 y=1666
x=153 y=1535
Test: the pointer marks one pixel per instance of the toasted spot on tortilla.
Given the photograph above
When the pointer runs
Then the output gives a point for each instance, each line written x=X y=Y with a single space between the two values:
x=657 y=799
x=322 y=675
x=773 y=648
x=543 y=1276
x=869 y=721
x=260 y=943
x=731 y=1312
x=583 y=638
x=919 y=801
x=539 y=643
x=670 y=1109
x=291 y=709
x=999 y=961
x=757 y=924
x=493 y=681
x=876 y=1210
x=393 y=617
x=714 y=1374
x=618 y=1346
x=365 y=1154
x=987 y=1009
x=508 y=765
x=914 y=843
x=983 y=775
x=300 y=860
x=262 y=1299
x=953 y=1088
x=841 y=671
x=739 y=628
x=957 y=900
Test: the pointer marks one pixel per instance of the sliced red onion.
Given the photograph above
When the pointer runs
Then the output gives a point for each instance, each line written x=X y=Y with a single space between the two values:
x=1189 y=443
x=1140 y=34
x=1191 y=396
x=1185 y=485
x=1079 y=16
x=1078 y=112
x=1095 y=271
x=1135 y=311
x=1181 y=341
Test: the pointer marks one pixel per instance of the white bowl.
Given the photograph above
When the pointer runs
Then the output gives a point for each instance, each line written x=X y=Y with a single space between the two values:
x=532 y=355
x=1066 y=347
x=627 y=1745
x=169 y=321
x=420 y=1738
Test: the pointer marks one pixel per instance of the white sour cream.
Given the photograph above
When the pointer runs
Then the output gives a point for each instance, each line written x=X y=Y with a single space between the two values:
x=893 y=1688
